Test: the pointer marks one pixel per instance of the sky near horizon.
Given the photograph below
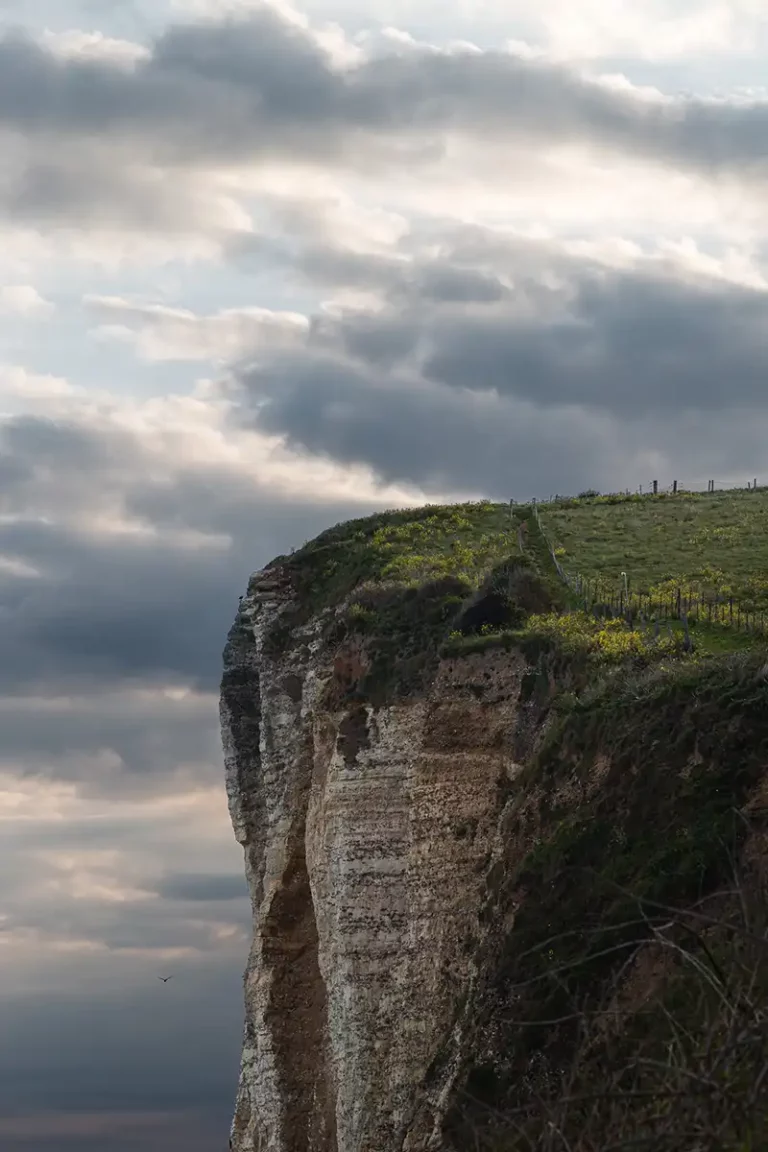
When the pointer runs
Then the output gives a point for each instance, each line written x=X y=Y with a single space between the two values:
x=264 y=268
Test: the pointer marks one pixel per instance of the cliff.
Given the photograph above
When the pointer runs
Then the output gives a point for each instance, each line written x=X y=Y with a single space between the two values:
x=465 y=839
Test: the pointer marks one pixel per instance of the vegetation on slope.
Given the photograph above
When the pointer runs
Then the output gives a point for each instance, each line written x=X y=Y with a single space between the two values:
x=644 y=795
x=406 y=547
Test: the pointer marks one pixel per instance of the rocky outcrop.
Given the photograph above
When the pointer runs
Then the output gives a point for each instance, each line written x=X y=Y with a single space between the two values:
x=406 y=868
x=368 y=835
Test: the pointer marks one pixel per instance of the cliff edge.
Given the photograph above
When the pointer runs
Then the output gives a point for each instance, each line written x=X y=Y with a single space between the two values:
x=465 y=835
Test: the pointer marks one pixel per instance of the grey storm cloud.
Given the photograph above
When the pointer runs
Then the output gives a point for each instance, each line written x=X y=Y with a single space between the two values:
x=241 y=90
x=545 y=385
x=149 y=739
x=410 y=429
x=112 y=608
x=126 y=606
x=121 y=927
x=405 y=278
x=31 y=443
x=202 y=888
x=625 y=344
x=147 y=924
x=286 y=82
x=112 y=1071
x=93 y=623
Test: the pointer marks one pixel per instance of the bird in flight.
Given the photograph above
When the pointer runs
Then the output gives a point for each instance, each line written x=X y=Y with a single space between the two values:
x=165 y=979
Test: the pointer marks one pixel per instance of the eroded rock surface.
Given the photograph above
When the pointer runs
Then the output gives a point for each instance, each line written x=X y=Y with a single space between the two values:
x=368 y=835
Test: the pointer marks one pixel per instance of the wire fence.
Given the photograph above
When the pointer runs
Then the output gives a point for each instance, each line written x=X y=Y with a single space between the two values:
x=680 y=603
x=674 y=488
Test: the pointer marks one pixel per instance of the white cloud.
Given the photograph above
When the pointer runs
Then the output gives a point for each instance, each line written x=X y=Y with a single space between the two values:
x=96 y=874
x=23 y=300
x=22 y=389
x=166 y=436
x=183 y=146
x=657 y=30
x=163 y=333
x=76 y=44
x=62 y=898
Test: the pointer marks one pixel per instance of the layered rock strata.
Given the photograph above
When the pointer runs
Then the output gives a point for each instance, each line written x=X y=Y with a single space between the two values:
x=367 y=835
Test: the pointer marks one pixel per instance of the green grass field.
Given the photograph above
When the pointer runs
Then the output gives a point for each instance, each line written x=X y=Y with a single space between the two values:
x=705 y=544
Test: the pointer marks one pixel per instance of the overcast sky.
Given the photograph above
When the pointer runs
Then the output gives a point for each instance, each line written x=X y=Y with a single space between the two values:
x=264 y=268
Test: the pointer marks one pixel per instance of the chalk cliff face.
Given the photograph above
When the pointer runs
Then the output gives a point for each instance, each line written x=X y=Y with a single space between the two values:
x=368 y=837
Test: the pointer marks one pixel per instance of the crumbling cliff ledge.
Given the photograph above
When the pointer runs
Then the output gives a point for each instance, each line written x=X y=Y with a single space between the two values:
x=416 y=818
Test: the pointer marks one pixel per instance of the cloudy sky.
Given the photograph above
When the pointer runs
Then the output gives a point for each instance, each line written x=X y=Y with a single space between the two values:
x=264 y=268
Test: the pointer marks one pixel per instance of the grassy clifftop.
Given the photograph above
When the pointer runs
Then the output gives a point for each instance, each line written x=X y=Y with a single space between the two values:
x=714 y=540
x=466 y=576
x=714 y=543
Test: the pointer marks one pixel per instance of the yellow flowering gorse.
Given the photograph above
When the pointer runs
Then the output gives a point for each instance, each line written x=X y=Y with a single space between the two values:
x=610 y=640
